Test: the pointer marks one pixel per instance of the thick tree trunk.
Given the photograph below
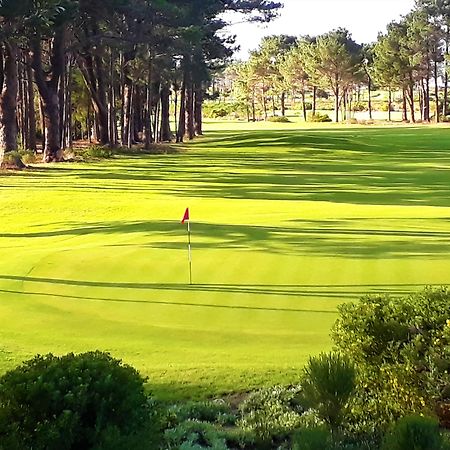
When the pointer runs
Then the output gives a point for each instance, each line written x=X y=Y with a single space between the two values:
x=190 y=111
x=165 y=132
x=8 y=101
x=47 y=84
x=31 y=109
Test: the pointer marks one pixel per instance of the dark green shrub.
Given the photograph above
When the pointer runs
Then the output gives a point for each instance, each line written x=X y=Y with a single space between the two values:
x=28 y=156
x=402 y=349
x=319 y=117
x=279 y=119
x=194 y=435
x=271 y=413
x=328 y=383
x=75 y=402
x=98 y=152
x=414 y=433
x=316 y=438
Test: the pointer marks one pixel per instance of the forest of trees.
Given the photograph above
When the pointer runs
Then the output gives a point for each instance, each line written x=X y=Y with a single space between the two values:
x=412 y=58
x=109 y=69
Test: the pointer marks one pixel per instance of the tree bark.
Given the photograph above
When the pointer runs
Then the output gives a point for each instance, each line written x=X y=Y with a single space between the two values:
x=190 y=111
x=31 y=109
x=198 y=110
x=8 y=100
x=165 y=132
x=182 y=116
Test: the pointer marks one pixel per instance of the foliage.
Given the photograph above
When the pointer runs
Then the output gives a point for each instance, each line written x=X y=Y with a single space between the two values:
x=314 y=438
x=414 y=433
x=319 y=117
x=95 y=152
x=194 y=435
x=75 y=401
x=208 y=411
x=329 y=381
x=279 y=119
x=28 y=156
x=273 y=412
x=401 y=347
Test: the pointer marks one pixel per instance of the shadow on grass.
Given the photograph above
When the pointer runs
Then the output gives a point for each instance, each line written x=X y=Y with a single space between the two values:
x=393 y=166
x=345 y=237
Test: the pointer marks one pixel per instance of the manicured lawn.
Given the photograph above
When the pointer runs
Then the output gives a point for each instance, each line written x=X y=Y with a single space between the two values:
x=287 y=224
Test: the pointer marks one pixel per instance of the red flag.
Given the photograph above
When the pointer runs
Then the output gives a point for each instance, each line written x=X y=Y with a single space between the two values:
x=186 y=216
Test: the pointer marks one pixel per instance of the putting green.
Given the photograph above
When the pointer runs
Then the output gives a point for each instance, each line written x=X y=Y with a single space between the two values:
x=287 y=223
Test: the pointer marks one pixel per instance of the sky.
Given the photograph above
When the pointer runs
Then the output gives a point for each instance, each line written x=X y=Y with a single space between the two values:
x=363 y=18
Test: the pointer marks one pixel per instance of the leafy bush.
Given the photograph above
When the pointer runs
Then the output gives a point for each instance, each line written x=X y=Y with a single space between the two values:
x=194 y=435
x=414 y=433
x=319 y=117
x=279 y=119
x=270 y=413
x=208 y=411
x=360 y=106
x=329 y=381
x=402 y=349
x=28 y=156
x=98 y=152
x=316 y=438
x=75 y=402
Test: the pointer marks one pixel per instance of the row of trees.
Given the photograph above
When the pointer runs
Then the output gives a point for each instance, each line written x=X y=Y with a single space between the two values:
x=109 y=67
x=411 y=57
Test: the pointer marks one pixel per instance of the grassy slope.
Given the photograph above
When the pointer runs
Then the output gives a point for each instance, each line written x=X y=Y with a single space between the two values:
x=287 y=224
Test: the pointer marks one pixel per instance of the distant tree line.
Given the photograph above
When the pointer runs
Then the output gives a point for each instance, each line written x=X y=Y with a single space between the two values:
x=72 y=69
x=412 y=58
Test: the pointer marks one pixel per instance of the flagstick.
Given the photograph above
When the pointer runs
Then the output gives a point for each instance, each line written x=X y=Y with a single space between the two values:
x=189 y=250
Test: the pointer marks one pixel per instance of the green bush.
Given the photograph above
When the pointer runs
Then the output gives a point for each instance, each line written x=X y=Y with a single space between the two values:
x=319 y=117
x=194 y=435
x=98 y=152
x=414 y=433
x=279 y=119
x=328 y=383
x=28 y=156
x=317 y=438
x=402 y=349
x=75 y=402
x=208 y=411
x=271 y=413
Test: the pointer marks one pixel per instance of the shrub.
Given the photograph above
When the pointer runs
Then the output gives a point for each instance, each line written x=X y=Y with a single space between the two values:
x=98 y=152
x=279 y=119
x=208 y=411
x=329 y=381
x=319 y=117
x=402 y=349
x=359 y=106
x=414 y=433
x=28 y=156
x=271 y=413
x=194 y=435
x=317 y=438
x=75 y=402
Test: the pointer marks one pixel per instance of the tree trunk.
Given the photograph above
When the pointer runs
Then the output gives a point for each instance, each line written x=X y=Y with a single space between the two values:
x=190 y=111
x=182 y=115
x=198 y=113
x=314 y=105
x=31 y=109
x=436 y=91
x=337 y=104
x=303 y=94
x=370 y=99
x=48 y=82
x=390 y=106
x=165 y=133
x=405 y=107
x=8 y=101
x=283 y=104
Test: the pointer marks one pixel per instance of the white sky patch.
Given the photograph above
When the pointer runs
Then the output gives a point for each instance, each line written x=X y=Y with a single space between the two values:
x=363 y=18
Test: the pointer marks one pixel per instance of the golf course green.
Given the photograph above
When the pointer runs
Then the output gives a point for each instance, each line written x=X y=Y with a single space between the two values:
x=287 y=223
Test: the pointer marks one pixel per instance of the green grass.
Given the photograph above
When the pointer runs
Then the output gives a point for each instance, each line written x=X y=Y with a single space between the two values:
x=287 y=224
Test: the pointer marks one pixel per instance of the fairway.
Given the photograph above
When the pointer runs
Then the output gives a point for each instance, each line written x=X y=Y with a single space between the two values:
x=287 y=223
